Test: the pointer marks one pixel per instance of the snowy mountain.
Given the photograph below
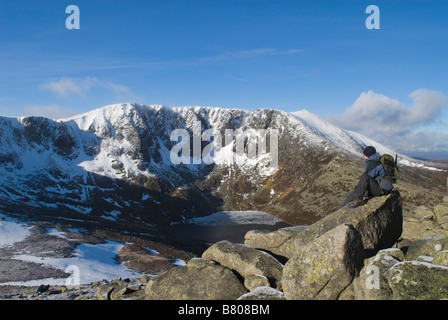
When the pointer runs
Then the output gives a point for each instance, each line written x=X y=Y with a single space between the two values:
x=114 y=165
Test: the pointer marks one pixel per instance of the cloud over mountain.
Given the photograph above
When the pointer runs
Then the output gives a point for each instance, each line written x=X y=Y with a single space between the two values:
x=395 y=124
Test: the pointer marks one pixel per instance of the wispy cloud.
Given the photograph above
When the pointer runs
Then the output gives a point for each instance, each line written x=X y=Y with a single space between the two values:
x=68 y=86
x=88 y=64
x=219 y=58
x=238 y=78
x=249 y=54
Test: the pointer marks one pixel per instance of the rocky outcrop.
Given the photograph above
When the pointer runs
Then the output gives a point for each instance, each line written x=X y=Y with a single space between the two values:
x=121 y=290
x=246 y=261
x=200 y=279
x=416 y=269
x=414 y=280
x=279 y=242
x=425 y=247
x=426 y=221
x=388 y=276
x=323 y=268
x=263 y=293
x=379 y=223
x=332 y=265
x=372 y=283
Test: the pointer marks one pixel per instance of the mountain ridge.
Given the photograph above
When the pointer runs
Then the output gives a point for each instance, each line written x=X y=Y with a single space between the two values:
x=112 y=165
x=320 y=126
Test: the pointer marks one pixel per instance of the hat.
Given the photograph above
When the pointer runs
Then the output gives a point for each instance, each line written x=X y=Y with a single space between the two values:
x=369 y=151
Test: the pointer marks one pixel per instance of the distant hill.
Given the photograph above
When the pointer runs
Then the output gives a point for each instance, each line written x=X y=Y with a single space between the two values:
x=442 y=164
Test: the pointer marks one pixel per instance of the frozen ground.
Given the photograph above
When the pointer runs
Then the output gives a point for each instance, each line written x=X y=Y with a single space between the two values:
x=11 y=232
x=82 y=263
x=236 y=218
x=35 y=254
x=90 y=263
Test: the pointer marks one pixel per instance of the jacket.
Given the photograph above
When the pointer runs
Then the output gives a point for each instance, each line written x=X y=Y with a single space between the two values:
x=374 y=169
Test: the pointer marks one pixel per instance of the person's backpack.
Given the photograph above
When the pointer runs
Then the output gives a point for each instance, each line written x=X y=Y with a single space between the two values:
x=390 y=167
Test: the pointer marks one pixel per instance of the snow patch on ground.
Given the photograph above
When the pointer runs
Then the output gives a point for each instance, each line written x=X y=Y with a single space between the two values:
x=87 y=263
x=93 y=261
x=12 y=232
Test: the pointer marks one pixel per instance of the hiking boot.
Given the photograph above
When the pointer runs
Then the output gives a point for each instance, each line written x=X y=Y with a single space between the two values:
x=357 y=202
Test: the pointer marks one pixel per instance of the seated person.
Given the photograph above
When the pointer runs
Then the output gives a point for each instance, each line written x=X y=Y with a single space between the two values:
x=370 y=183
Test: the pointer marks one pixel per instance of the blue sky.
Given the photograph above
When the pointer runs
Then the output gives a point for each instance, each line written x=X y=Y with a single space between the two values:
x=282 y=54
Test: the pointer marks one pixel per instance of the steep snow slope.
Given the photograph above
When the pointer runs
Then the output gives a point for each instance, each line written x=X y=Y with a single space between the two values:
x=349 y=141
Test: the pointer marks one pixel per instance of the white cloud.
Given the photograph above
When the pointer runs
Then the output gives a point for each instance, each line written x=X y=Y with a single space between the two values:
x=391 y=122
x=118 y=89
x=51 y=111
x=67 y=86
x=375 y=113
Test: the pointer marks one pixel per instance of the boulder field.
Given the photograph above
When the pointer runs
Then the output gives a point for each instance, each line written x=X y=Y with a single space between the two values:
x=356 y=254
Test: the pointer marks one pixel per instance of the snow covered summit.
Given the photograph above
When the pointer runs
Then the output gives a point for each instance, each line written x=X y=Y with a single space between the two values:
x=113 y=165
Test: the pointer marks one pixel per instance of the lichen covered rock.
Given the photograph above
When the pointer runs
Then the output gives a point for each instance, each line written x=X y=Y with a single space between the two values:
x=413 y=280
x=245 y=260
x=323 y=268
x=379 y=222
x=200 y=279
x=279 y=242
